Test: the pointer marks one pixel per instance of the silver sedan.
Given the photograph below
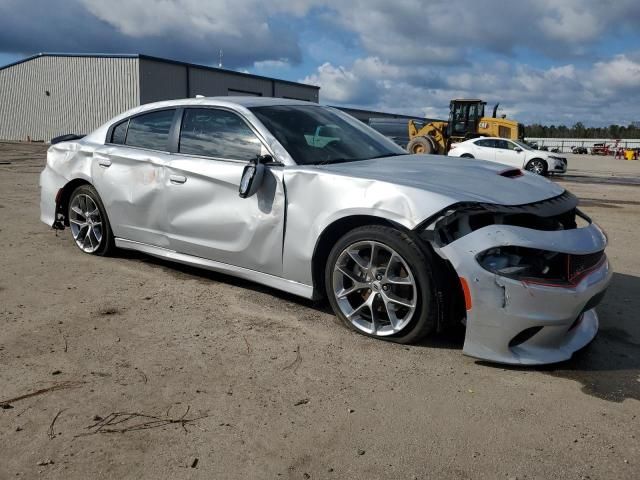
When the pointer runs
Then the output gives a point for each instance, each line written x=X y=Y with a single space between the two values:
x=306 y=199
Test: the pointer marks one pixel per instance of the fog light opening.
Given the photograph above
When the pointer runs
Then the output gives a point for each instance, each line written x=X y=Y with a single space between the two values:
x=523 y=336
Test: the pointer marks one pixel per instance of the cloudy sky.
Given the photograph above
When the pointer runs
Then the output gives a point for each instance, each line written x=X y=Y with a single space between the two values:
x=548 y=61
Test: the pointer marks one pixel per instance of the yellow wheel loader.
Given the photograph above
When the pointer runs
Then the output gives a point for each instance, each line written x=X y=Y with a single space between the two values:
x=466 y=120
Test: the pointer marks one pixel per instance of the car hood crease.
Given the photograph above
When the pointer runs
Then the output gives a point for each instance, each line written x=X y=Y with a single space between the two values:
x=457 y=178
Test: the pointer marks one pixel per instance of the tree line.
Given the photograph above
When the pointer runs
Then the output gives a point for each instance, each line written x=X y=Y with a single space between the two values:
x=580 y=131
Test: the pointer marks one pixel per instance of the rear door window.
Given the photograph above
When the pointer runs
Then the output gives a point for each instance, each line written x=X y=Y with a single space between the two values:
x=487 y=142
x=217 y=133
x=150 y=130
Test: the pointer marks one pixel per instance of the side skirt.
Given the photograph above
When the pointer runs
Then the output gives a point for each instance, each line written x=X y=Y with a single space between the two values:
x=272 y=281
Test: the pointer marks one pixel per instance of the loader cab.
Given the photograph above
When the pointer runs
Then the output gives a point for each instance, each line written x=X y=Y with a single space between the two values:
x=464 y=117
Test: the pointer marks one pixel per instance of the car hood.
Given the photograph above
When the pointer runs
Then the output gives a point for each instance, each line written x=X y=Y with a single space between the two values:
x=460 y=179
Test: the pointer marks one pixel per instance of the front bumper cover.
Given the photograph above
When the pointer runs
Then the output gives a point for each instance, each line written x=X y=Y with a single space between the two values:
x=563 y=318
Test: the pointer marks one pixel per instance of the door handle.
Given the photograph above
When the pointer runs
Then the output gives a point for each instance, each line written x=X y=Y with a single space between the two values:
x=178 y=179
x=104 y=162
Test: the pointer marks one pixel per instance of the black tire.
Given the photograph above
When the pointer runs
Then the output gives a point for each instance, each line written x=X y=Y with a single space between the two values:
x=106 y=244
x=539 y=166
x=428 y=272
x=467 y=155
x=422 y=146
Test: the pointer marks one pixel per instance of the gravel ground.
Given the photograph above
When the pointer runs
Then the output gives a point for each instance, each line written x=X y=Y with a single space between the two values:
x=240 y=381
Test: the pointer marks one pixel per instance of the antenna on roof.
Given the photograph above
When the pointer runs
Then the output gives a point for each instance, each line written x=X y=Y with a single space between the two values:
x=220 y=60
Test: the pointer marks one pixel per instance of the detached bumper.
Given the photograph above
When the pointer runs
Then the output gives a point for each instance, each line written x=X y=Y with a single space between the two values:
x=558 y=166
x=517 y=322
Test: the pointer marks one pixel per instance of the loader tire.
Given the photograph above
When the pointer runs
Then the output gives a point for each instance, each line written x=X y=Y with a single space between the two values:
x=422 y=145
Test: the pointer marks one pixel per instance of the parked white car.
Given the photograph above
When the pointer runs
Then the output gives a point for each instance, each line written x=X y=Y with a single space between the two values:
x=510 y=152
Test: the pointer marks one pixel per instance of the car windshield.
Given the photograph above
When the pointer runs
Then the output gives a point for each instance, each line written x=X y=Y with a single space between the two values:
x=315 y=135
x=523 y=145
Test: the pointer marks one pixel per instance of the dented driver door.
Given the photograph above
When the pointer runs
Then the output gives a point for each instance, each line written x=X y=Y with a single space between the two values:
x=206 y=216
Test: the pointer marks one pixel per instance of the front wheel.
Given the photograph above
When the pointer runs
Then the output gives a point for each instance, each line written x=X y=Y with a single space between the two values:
x=466 y=155
x=89 y=223
x=422 y=145
x=537 y=166
x=381 y=283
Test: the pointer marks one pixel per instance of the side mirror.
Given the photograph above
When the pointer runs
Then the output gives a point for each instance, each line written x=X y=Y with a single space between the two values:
x=252 y=176
x=518 y=149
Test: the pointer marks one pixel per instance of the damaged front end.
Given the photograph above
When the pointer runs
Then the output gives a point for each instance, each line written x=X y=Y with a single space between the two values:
x=532 y=275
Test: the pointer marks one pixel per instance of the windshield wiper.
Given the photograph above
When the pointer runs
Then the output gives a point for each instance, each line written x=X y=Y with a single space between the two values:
x=386 y=155
x=345 y=160
x=336 y=160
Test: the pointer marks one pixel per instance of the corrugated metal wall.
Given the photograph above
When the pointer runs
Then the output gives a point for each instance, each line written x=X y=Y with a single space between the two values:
x=83 y=93
x=211 y=83
x=162 y=81
x=296 y=92
x=53 y=95
x=166 y=80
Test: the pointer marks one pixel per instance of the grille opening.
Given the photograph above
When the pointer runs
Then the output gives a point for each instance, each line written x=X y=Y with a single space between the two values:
x=456 y=221
x=523 y=336
x=474 y=221
x=576 y=322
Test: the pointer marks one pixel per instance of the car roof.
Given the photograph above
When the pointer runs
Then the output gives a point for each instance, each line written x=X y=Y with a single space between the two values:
x=488 y=138
x=237 y=103
x=243 y=101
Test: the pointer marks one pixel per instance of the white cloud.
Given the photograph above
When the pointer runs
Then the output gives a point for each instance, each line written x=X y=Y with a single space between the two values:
x=447 y=32
x=560 y=94
x=270 y=64
x=407 y=55
x=618 y=75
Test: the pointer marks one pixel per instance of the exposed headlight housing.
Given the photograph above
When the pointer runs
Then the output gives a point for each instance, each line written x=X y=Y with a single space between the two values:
x=539 y=266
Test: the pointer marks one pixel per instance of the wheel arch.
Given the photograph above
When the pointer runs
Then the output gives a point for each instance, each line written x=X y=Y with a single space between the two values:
x=329 y=236
x=450 y=296
x=64 y=195
x=537 y=158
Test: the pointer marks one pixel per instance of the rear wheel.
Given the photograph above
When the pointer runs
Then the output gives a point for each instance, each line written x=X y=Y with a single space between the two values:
x=466 y=155
x=89 y=223
x=382 y=284
x=422 y=145
x=538 y=166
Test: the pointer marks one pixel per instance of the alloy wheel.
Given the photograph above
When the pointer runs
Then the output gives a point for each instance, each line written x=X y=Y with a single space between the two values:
x=86 y=223
x=536 y=167
x=374 y=288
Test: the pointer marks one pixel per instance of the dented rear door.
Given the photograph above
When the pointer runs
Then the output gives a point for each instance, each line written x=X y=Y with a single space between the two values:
x=130 y=182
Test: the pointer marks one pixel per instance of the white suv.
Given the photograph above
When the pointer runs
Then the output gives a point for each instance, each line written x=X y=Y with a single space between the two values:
x=510 y=152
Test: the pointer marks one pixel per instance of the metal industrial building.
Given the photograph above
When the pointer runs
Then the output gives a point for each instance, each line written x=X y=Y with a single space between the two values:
x=53 y=94
x=367 y=116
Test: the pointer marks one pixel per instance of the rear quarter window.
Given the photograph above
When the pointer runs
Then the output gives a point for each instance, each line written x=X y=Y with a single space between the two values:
x=119 y=133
